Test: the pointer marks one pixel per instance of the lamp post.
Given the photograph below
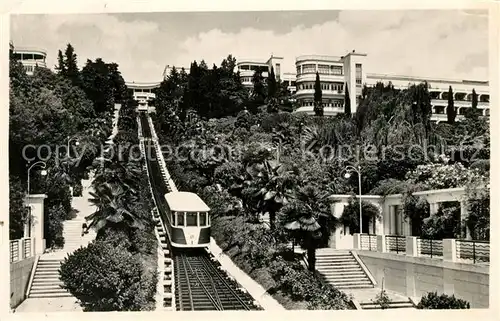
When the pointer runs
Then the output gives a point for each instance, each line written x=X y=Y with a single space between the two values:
x=44 y=172
x=69 y=142
x=356 y=169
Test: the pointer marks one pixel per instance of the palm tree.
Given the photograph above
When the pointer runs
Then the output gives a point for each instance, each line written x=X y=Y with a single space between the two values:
x=273 y=185
x=309 y=206
x=111 y=200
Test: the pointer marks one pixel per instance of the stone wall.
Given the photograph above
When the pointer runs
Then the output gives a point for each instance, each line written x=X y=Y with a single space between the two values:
x=20 y=273
x=415 y=276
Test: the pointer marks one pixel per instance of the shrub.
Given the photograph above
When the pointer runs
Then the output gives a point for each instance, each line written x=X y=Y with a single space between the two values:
x=106 y=277
x=434 y=301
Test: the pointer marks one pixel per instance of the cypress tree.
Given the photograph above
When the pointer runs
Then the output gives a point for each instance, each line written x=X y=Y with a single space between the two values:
x=475 y=112
x=450 y=110
x=347 y=102
x=60 y=63
x=271 y=84
x=71 y=67
x=318 y=97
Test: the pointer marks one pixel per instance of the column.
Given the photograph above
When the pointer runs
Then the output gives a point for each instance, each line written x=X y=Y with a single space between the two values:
x=449 y=250
x=411 y=246
x=464 y=212
x=35 y=201
x=434 y=207
x=381 y=245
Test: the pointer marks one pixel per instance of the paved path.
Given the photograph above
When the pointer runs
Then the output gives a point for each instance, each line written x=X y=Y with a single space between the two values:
x=73 y=241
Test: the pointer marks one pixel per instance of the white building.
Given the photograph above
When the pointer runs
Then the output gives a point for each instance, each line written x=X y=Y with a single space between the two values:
x=30 y=58
x=143 y=92
x=247 y=68
x=438 y=88
x=337 y=72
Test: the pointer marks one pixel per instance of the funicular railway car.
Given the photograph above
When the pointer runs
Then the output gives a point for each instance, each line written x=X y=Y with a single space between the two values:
x=188 y=220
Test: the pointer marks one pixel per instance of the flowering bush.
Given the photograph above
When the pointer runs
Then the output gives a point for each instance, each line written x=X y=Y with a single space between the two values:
x=439 y=176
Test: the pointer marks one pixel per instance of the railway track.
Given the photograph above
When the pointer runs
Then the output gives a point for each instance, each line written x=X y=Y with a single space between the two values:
x=200 y=284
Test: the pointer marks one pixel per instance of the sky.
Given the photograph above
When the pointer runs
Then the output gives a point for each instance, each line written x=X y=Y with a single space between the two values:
x=431 y=43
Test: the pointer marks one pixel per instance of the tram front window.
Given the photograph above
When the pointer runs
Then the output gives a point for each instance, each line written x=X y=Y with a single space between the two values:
x=180 y=219
x=203 y=219
x=191 y=219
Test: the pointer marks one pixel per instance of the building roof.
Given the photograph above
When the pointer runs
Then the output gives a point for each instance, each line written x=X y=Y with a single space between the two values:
x=185 y=202
x=143 y=85
x=389 y=77
x=30 y=50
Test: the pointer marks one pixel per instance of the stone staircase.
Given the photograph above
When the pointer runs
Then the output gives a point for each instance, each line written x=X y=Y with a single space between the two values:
x=46 y=282
x=166 y=275
x=341 y=269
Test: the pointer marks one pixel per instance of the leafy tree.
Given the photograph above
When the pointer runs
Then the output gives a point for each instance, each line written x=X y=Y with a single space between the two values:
x=258 y=94
x=318 y=102
x=450 y=109
x=347 y=102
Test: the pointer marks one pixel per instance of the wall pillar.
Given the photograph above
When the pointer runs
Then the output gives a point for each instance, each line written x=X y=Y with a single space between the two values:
x=356 y=241
x=381 y=245
x=449 y=250
x=35 y=201
x=411 y=246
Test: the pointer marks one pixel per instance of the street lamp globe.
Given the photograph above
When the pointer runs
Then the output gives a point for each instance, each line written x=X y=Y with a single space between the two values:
x=43 y=172
x=77 y=143
x=347 y=175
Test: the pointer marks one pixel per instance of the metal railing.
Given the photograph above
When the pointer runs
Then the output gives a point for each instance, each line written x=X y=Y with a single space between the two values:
x=477 y=251
x=395 y=243
x=368 y=242
x=20 y=249
x=427 y=247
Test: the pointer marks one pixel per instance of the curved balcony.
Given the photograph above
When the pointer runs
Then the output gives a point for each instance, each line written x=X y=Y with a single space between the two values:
x=326 y=93
x=327 y=111
x=316 y=58
x=311 y=76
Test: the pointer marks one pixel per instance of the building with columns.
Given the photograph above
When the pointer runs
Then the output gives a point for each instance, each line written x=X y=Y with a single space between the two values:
x=143 y=92
x=393 y=220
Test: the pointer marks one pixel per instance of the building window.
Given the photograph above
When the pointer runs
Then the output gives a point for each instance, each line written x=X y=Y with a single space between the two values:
x=336 y=70
x=359 y=74
x=310 y=68
x=278 y=71
x=439 y=109
x=323 y=69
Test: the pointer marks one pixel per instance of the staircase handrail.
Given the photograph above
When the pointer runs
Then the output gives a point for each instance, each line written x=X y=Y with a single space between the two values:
x=365 y=269
x=32 y=275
